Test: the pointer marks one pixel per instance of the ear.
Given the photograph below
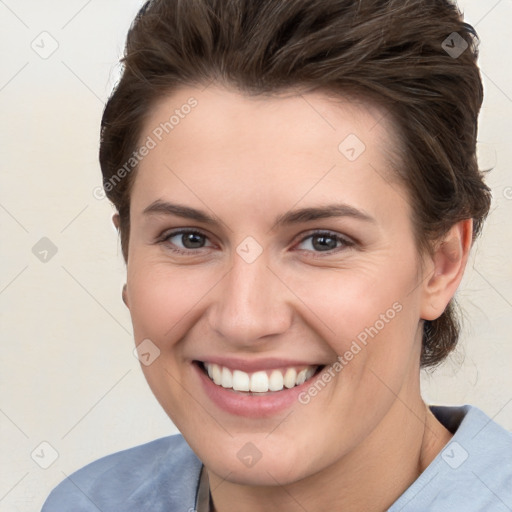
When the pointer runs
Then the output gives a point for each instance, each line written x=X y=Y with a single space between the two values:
x=124 y=295
x=445 y=269
x=115 y=220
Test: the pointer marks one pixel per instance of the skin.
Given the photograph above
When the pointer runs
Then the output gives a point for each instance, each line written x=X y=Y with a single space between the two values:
x=360 y=442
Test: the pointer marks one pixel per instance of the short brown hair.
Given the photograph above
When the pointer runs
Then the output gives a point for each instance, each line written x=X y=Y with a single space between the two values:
x=403 y=54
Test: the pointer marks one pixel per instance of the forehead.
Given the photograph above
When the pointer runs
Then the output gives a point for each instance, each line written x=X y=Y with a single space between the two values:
x=281 y=148
x=220 y=112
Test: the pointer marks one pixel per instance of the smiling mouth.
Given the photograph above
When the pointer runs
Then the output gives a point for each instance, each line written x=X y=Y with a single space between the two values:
x=262 y=381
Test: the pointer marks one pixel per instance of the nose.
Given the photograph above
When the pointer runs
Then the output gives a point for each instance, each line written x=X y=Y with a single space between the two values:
x=252 y=305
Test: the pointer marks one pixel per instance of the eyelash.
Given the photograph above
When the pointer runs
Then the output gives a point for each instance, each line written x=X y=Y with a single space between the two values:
x=164 y=239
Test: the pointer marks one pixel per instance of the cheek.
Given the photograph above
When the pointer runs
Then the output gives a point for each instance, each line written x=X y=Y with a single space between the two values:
x=358 y=304
x=163 y=298
x=162 y=302
x=369 y=318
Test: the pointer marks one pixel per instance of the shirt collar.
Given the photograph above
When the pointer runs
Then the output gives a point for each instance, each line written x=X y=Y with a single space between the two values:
x=204 y=499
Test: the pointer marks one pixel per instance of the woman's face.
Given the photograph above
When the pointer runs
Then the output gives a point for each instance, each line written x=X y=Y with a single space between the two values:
x=268 y=244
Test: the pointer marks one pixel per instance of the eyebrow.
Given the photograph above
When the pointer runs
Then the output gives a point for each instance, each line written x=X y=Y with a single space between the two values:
x=160 y=207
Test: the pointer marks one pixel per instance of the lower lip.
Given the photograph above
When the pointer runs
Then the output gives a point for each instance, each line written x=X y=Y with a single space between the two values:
x=250 y=405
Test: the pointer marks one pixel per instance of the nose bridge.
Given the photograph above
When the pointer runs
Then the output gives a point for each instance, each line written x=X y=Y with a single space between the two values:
x=251 y=302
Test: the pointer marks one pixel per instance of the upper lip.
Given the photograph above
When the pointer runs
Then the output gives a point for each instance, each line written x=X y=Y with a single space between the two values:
x=254 y=365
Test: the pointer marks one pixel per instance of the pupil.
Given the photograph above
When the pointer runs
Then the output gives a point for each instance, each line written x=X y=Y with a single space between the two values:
x=324 y=242
x=192 y=240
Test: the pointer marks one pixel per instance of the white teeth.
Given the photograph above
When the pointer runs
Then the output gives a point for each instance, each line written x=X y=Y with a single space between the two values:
x=301 y=377
x=290 y=377
x=216 y=375
x=240 y=381
x=310 y=372
x=276 y=381
x=227 y=378
x=258 y=382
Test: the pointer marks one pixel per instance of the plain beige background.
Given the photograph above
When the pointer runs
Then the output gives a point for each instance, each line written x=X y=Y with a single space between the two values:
x=68 y=376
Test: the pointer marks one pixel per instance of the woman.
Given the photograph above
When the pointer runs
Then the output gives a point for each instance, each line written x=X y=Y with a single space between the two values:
x=297 y=193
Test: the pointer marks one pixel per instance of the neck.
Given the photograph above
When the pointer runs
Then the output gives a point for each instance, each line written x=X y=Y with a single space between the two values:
x=371 y=477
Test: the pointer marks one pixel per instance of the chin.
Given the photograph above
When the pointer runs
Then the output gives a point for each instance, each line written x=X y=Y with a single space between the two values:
x=244 y=460
x=264 y=473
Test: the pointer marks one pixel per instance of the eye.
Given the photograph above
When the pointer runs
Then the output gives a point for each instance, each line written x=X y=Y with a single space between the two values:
x=188 y=238
x=325 y=241
x=188 y=241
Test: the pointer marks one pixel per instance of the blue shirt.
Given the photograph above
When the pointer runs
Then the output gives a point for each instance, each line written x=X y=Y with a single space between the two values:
x=472 y=473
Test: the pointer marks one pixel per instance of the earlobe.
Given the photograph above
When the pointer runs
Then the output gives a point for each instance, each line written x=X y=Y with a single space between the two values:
x=115 y=220
x=124 y=295
x=448 y=264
